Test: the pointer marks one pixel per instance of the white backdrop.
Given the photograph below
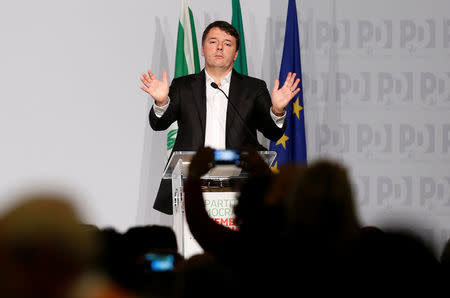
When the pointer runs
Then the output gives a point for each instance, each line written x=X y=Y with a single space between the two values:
x=375 y=75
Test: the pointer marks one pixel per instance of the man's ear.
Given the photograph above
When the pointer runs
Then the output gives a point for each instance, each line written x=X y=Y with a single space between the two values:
x=203 y=54
x=235 y=56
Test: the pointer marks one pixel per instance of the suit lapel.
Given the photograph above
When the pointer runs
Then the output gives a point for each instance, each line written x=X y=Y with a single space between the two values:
x=237 y=90
x=198 y=85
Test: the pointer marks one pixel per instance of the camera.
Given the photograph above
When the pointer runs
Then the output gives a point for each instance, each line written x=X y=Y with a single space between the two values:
x=159 y=262
x=226 y=157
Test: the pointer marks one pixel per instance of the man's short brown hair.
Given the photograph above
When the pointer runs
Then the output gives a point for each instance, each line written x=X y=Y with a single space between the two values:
x=224 y=26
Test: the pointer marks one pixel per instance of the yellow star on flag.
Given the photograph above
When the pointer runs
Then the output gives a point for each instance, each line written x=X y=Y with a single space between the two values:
x=296 y=108
x=274 y=168
x=283 y=141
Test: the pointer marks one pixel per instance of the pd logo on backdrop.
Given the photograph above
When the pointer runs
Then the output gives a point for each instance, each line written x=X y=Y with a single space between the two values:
x=375 y=34
x=383 y=89
x=419 y=192
x=385 y=141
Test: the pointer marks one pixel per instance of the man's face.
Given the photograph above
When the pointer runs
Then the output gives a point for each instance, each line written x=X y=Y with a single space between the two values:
x=219 y=49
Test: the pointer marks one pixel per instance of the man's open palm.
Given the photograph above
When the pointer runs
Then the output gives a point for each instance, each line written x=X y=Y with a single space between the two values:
x=282 y=96
x=159 y=90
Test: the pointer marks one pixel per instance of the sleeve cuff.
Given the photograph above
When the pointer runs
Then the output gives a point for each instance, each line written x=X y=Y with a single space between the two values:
x=279 y=120
x=159 y=111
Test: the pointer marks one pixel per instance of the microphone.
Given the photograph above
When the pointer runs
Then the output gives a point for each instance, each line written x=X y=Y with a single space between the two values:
x=215 y=86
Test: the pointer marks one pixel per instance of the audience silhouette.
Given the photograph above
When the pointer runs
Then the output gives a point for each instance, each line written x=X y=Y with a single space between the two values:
x=298 y=233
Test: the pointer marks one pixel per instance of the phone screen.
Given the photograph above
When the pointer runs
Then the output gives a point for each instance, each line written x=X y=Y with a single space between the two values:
x=226 y=156
x=160 y=262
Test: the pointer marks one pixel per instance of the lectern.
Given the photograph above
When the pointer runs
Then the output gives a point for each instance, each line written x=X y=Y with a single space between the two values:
x=218 y=193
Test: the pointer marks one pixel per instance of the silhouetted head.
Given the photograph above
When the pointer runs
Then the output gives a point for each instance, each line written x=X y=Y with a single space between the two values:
x=44 y=247
x=321 y=206
x=445 y=256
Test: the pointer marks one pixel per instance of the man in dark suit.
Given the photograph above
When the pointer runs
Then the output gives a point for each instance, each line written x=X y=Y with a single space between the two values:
x=204 y=115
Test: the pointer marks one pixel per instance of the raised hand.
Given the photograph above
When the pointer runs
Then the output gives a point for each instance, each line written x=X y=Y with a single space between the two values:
x=201 y=163
x=282 y=96
x=159 y=90
x=253 y=163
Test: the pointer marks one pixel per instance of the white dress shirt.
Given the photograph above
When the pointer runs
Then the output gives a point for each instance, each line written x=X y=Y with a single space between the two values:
x=216 y=112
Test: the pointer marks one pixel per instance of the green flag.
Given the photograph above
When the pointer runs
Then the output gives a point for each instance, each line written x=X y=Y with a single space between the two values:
x=186 y=59
x=240 y=65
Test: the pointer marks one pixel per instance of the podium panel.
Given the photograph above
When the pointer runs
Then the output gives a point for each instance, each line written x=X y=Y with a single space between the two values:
x=219 y=206
x=219 y=202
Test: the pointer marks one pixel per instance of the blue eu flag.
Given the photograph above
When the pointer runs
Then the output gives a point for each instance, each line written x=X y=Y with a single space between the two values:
x=291 y=147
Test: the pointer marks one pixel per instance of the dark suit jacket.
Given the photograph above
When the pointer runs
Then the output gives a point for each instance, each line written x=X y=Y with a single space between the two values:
x=188 y=106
